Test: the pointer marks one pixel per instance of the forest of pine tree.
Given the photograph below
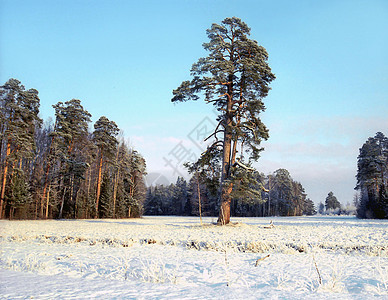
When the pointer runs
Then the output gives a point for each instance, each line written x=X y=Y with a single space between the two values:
x=283 y=197
x=60 y=169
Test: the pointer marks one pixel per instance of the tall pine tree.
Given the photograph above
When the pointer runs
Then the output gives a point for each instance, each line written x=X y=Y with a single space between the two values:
x=19 y=116
x=235 y=78
x=69 y=139
x=104 y=137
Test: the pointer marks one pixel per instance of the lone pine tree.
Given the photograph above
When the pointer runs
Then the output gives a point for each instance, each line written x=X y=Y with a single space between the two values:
x=331 y=202
x=235 y=78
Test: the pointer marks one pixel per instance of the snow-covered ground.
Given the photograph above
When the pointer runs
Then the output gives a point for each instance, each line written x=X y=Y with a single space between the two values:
x=176 y=258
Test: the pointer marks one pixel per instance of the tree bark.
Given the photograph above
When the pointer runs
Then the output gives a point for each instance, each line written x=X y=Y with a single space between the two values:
x=47 y=201
x=226 y=188
x=5 y=173
x=131 y=193
x=11 y=212
x=71 y=198
x=115 y=192
x=86 y=205
x=99 y=184
x=62 y=203
x=46 y=180
x=44 y=191
x=199 y=200
x=116 y=181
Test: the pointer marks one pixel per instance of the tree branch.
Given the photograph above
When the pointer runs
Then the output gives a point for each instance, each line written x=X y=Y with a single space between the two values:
x=215 y=132
x=239 y=163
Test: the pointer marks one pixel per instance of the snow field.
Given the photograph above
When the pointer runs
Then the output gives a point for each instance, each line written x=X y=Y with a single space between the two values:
x=173 y=257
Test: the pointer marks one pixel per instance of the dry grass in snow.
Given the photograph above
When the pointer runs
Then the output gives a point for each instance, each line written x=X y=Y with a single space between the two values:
x=175 y=257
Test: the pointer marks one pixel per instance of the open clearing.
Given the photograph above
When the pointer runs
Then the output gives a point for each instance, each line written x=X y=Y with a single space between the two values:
x=176 y=257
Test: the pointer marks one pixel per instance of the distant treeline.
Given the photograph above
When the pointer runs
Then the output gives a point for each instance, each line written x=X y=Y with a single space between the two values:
x=60 y=169
x=281 y=196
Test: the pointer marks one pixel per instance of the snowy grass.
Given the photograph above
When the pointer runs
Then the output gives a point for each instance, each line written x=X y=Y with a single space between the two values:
x=309 y=257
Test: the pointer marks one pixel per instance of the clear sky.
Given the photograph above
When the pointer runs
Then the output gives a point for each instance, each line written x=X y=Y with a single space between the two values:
x=122 y=59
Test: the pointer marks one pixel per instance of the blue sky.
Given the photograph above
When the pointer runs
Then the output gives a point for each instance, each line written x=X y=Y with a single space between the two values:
x=122 y=59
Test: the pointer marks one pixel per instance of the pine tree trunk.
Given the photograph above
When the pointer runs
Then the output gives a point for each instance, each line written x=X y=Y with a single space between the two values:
x=42 y=203
x=99 y=184
x=116 y=182
x=226 y=189
x=46 y=178
x=36 y=207
x=199 y=200
x=269 y=196
x=76 y=204
x=5 y=173
x=47 y=202
x=72 y=194
x=44 y=189
x=11 y=212
x=88 y=194
x=62 y=203
x=115 y=192
x=131 y=193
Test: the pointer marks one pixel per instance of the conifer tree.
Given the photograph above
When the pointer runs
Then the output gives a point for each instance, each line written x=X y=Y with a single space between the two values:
x=45 y=172
x=321 y=208
x=331 y=202
x=309 y=207
x=137 y=186
x=284 y=196
x=104 y=137
x=105 y=209
x=372 y=178
x=69 y=139
x=122 y=181
x=153 y=205
x=9 y=93
x=235 y=78
x=204 y=183
x=282 y=190
x=180 y=197
x=19 y=194
x=19 y=114
x=298 y=199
